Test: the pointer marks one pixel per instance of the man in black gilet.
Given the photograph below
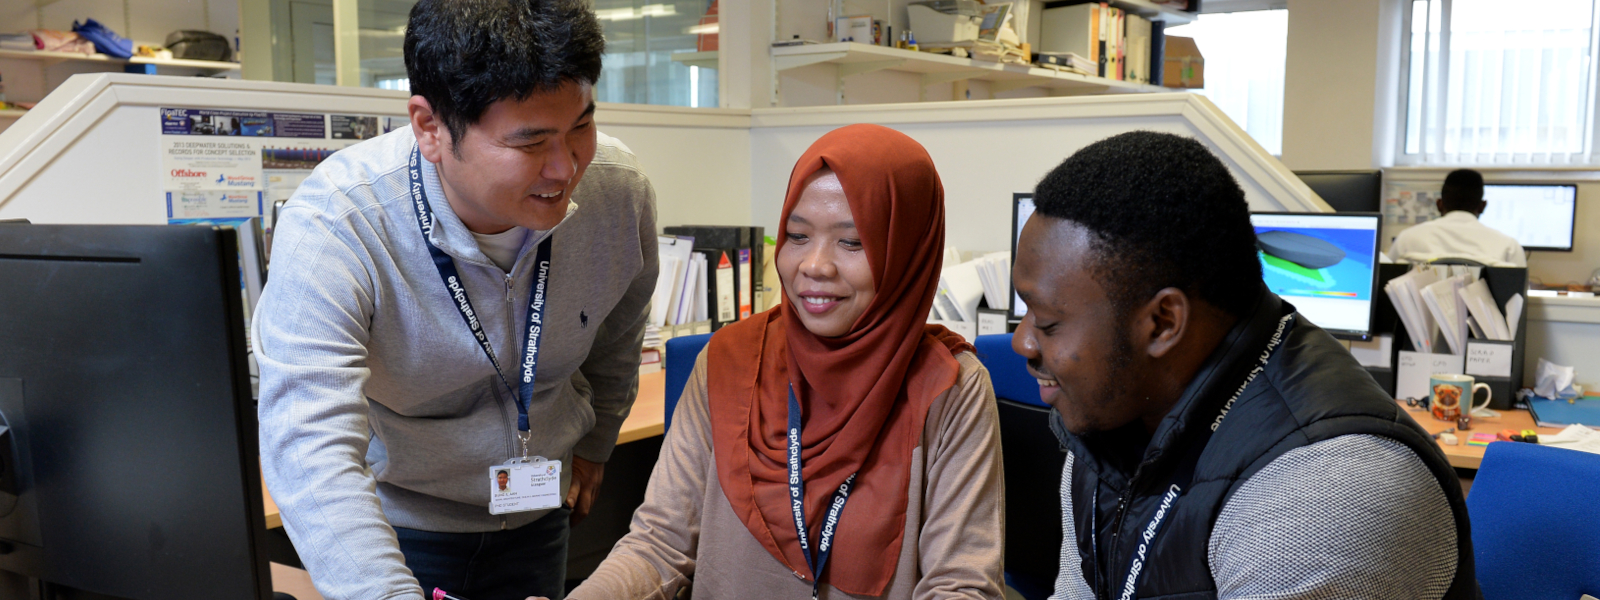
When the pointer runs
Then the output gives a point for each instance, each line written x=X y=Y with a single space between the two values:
x=1221 y=445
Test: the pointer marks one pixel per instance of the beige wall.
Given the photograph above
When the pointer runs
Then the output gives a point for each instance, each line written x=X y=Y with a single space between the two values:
x=1330 y=84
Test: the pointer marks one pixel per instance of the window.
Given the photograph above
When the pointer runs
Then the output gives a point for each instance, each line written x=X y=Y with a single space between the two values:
x=1490 y=82
x=1245 y=53
x=652 y=52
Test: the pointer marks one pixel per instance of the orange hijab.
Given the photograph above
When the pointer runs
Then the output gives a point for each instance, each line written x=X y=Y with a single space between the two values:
x=865 y=395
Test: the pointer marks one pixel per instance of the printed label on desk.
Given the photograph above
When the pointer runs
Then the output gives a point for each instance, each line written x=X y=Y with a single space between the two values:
x=520 y=487
x=1488 y=360
x=1414 y=368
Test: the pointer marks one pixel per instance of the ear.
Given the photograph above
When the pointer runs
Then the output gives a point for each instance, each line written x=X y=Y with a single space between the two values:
x=433 y=138
x=1439 y=204
x=1161 y=323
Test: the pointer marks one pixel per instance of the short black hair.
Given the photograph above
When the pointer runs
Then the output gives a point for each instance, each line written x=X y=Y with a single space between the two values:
x=502 y=472
x=1162 y=211
x=1463 y=190
x=463 y=55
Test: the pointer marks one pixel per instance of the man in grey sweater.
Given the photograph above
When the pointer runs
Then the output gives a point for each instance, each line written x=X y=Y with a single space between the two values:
x=456 y=298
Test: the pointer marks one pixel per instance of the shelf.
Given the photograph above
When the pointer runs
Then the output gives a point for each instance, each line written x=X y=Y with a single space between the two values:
x=1155 y=12
x=704 y=60
x=854 y=59
x=51 y=58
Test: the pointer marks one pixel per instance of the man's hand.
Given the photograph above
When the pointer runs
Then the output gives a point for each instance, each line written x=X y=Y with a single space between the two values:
x=585 y=486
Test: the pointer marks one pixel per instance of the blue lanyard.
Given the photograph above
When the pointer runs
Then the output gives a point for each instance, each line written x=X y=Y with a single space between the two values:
x=797 y=502
x=1182 y=476
x=452 y=284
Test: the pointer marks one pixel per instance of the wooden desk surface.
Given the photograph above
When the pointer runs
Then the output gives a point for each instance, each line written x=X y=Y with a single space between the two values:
x=648 y=419
x=1464 y=456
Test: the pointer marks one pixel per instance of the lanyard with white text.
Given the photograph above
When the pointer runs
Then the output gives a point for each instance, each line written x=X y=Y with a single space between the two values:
x=452 y=284
x=797 y=500
x=1183 y=475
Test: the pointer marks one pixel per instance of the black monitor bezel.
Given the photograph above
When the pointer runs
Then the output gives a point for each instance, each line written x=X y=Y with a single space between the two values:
x=1572 y=231
x=1372 y=303
x=1016 y=230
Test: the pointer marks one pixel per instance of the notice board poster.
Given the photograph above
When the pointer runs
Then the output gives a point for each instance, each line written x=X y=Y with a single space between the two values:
x=224 y=166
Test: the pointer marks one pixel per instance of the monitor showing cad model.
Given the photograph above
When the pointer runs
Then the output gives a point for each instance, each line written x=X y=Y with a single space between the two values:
x=1540 y=217
x=1021 y=209
x=1322 y=263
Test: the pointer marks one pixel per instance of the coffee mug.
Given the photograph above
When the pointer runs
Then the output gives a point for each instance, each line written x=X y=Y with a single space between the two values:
x=1447 y=391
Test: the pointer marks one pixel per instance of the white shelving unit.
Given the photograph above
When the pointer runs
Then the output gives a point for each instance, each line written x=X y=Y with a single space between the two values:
x=12 y=114
x=52 y=58
x=854 y=59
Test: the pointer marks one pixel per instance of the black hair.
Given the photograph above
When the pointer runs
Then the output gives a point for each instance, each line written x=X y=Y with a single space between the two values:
x=1463 y=190
x=502 y=472
x=1162 y=211
x=463 y=55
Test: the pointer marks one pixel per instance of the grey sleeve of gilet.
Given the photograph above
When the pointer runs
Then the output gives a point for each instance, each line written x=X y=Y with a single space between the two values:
x=1356 y=516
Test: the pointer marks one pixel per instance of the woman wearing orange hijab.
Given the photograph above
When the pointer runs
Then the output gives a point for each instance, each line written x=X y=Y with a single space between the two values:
x=840 y=413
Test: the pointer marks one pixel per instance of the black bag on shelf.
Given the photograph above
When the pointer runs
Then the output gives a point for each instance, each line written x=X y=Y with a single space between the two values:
x=199 y=45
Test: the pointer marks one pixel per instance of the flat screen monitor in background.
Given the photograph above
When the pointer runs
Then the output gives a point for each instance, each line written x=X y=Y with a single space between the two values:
x=1021 y=209
x=1540 y=217
x=1347 y=191
x=130 y=449
x=1324 y=264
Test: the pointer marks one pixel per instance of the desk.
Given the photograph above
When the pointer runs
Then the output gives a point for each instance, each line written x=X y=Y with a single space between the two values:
x=1463 y=456
x=648 y=419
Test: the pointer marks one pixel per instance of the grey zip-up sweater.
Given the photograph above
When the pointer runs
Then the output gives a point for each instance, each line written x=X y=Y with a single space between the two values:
x=378 y=408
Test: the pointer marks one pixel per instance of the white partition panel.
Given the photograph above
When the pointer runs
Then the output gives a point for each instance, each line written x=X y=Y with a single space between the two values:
x=90 y=152
x=985 y=150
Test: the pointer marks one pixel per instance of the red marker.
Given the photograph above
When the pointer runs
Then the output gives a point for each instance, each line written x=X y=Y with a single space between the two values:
x=439 y=594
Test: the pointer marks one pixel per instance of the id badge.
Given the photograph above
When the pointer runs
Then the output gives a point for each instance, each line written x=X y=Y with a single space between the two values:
x=524 y=486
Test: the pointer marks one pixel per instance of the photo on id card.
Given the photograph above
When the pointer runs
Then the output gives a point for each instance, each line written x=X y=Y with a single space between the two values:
x=523 y=487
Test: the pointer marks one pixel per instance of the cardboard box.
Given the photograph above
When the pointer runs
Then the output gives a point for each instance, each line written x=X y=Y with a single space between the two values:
x=1182 y=65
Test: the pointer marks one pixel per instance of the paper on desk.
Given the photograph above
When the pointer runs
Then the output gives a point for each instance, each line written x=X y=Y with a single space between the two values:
x=1480 y=303
x=962 y=289
x=661 y=300
x=1576 y=437
x=1513 y=314
x=1441 y=300
x=1405 y=293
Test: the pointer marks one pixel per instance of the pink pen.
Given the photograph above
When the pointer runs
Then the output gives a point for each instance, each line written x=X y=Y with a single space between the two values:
x=439 y=594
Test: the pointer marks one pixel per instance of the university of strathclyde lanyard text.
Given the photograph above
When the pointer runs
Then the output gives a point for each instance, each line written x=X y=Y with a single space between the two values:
x=452 y=283
x=797 y=503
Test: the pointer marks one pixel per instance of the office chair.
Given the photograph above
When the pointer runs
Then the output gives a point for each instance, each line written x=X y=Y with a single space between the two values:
x=681 y=354
x=1534 y=530
x=1033 y=459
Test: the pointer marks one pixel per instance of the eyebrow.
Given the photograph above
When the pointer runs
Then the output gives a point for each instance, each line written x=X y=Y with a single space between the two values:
x=835 y=226
x=529 y=133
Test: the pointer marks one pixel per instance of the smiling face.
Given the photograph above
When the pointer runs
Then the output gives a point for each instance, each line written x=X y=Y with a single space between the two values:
x=502 y=478
x=517 y=166
x=822 y=263
x=1072 y=336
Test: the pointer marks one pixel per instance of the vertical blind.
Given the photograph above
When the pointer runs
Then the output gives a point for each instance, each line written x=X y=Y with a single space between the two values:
x=1491 y=82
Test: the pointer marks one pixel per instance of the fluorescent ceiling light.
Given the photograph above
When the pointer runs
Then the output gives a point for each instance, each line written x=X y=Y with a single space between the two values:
x=704 y=29
x=626 y=14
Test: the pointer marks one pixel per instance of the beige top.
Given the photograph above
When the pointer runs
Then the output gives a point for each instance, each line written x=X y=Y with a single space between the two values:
x=686 y=531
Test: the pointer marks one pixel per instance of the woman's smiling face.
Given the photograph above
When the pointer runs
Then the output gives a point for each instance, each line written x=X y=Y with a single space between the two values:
x=822 y=263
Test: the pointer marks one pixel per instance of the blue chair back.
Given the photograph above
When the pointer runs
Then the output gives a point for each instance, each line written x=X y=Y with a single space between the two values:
x=1032 y=459
x=681 y=354
x=1007 y=370
x=1535 y=525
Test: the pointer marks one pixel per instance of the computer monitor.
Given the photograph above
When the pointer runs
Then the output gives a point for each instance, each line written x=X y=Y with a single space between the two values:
x=1347 y=191
x=1323 y=263
x=1539 y=216
x=1021 y=209
x=130 y=458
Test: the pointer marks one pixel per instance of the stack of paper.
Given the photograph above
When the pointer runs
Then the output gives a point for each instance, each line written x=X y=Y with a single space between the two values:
x=1405 y=292
x=680 y=295
x=995 y=271
x=960 y=290
x=1444 y=303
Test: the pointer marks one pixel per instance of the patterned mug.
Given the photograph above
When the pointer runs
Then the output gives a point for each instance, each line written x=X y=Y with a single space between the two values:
x=1447 y=391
